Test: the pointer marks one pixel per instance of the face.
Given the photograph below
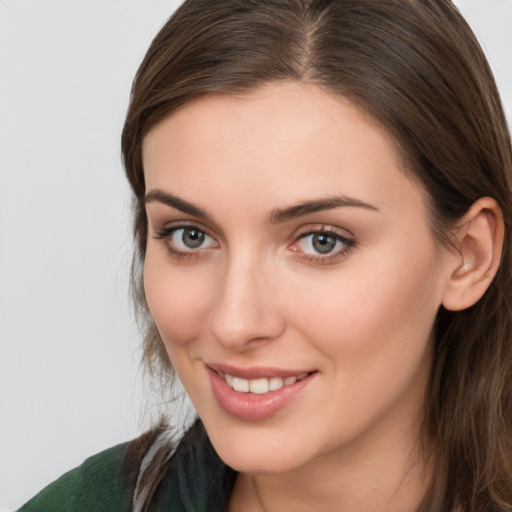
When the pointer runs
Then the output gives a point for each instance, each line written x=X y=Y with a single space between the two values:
x=292 y=275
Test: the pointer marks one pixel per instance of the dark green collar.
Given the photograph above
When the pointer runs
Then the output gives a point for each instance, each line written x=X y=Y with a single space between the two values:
x=197 y=480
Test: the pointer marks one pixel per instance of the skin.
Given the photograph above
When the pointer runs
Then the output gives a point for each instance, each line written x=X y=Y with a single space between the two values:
x=257 y=293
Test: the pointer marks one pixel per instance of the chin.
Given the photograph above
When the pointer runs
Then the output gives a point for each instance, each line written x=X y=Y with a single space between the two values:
x=257 y=449
x=260 y=461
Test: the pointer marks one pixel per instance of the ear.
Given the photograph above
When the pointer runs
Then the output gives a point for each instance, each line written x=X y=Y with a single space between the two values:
x=479 y=247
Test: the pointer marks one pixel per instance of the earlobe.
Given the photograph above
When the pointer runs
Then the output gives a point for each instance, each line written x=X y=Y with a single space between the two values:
x=479 y=248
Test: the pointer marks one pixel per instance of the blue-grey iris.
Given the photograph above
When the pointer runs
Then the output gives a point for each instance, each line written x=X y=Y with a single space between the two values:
x=192 y=238
x=323 y=243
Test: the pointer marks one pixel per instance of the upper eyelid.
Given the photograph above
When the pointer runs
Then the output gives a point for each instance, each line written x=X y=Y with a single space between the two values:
x=160 y=216
x=183 y=224
x=326 y=231
x=347 y=240
x=323 y=228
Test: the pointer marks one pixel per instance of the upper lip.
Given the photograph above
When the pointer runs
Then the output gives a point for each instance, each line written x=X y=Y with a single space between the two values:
x=256 y=372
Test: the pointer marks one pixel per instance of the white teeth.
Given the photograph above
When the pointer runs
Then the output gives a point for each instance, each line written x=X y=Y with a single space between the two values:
x=241 y=385
x=260 y=386
x=275 y=383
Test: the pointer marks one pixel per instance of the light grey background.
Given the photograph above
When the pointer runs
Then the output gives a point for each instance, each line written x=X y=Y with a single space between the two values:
x=69 y=383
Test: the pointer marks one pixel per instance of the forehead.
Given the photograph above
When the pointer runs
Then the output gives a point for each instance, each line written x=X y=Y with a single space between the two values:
x=282 y=141
x=290 y=108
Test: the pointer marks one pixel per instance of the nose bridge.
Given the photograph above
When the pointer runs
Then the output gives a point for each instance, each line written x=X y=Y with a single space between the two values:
x=243 y=309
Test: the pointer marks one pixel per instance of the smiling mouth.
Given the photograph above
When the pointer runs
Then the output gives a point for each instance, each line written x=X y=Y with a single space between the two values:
x=260 y=386
x=257 y=393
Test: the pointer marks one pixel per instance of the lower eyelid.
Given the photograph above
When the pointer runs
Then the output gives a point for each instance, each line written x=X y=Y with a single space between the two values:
x=327 y=258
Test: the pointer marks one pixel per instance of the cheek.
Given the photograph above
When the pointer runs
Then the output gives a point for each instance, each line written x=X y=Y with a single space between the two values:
x=177 y=298
x=375 y=311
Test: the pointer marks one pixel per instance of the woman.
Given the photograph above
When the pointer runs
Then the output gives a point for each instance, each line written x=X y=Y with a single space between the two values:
x=322 y=200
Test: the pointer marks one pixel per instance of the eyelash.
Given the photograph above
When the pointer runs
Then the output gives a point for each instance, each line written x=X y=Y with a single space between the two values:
x=166 y=234
x=349 y=244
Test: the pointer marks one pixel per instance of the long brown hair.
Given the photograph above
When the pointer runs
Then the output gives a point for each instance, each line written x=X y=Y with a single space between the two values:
x=416 y=67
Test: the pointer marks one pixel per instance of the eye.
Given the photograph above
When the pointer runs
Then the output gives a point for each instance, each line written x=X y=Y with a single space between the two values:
x=184 y=240
x=322 y=244
x=189 y=238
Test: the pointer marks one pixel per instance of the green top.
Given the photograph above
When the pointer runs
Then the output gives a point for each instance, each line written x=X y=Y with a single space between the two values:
x=195 y=481
x=97 y=485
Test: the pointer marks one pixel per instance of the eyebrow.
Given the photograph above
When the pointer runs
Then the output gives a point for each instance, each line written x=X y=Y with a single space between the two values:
x=175 y=202
x=282 y=215
x=276 y=216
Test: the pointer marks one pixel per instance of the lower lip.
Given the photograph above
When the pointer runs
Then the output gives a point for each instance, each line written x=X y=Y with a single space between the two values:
x=251 y=406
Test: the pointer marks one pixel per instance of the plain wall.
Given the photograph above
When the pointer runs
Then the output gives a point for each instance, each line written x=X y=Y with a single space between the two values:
x=69 y=381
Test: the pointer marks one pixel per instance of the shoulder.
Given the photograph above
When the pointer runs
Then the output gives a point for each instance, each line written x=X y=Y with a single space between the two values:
x=152 y=472
x=104 y=482
x=99 y=484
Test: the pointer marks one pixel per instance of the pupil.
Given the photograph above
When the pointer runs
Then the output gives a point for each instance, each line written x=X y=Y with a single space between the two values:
x=323 y=243
x=192 y=238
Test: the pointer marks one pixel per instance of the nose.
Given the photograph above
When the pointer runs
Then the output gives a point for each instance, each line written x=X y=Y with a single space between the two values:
x=245 y=309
